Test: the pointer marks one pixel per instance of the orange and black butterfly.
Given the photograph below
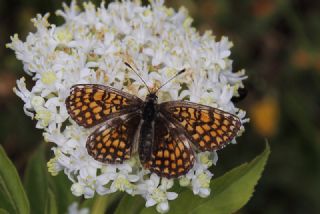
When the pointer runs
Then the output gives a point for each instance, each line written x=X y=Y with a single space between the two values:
x=164 y=135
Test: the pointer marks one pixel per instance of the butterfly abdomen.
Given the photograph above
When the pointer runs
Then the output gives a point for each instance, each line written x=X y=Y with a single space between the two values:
x=146 y=139
x=147 y=129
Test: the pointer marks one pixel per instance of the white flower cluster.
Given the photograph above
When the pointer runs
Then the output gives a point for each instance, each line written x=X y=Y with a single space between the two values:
x=90 y=47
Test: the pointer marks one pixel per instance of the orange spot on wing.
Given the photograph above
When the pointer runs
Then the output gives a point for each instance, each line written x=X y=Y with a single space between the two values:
x=93 y=105
x=206 y=138
x=204 y=118
x=217 y=116
x=97 y=109
x=199 y=129
x=160 y=154
x=116 y=101
x=213 y=133
x=107 y=111
x=166 y=153
x=90 y=121
x=87 y=114
x=89 y=90
x=202 y=144
x=206 y=127
x=122 y=145
x=196 y=136
x=98 y=95
x=116 y=143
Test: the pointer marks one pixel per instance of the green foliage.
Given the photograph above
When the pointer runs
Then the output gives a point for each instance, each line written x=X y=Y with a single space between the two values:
x=130 y=205
x=234 y=189
x=230 y=192
x=46 y=193
x=60 y=187
x=13 y=196
x=2 y=211
x=105 y=204
x=36 y=183
x=51 y=205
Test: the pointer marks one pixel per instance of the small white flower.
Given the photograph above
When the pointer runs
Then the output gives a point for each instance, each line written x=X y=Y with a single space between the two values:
x=156 y=193
x=54 y=167
x=123 y=183
x=184 y=181
x=74 y=209
x=44 y=116
x=37 y=102
x=201 y=184
x=158 y=41
x=77 y=189
x=48 y=77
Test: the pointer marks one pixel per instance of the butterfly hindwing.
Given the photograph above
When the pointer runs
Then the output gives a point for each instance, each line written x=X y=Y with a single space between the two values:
x=91 y=104
x=207 y=128
x=171 y=155
x=113 y=141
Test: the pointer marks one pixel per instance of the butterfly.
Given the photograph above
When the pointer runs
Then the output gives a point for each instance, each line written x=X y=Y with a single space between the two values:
x=164 y=135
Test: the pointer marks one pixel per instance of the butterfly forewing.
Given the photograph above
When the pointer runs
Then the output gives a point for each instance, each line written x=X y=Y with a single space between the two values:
x=113 y=141
x=172 y=155
x=207 y=128
x=90 y=104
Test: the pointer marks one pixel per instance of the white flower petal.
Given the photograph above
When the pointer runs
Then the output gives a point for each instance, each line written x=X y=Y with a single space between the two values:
x=163 y=207
x=172 y=195
x=150 y=202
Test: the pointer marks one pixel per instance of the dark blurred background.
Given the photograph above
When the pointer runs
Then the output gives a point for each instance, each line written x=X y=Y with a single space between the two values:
x=276 y=41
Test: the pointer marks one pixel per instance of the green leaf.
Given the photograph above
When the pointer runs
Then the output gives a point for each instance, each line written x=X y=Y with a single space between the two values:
x=2 y=211
x=51 y=205
x=230 y=192
x=60 y=186
x=102 y=204
x=14 y=198
x=88 y=203
x=130 y=205
x=35 y=182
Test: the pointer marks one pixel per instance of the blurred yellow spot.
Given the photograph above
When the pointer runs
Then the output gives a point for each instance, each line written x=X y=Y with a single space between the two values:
x=263 y=8
x=301 y=59
x=317 y=61
x=265 y=116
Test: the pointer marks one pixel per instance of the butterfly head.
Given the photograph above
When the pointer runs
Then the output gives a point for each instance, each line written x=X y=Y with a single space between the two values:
x=152 y=97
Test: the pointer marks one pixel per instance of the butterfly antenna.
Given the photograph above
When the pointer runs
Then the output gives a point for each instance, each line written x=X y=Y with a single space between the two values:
x=129 y=66
x=177 y=74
